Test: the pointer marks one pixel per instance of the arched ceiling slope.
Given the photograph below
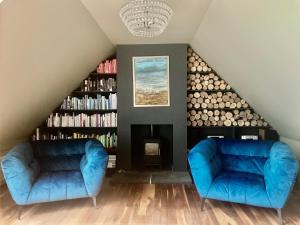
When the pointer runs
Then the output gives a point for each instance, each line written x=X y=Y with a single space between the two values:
x=47 y=48
x=254 y=45
x=182 y=27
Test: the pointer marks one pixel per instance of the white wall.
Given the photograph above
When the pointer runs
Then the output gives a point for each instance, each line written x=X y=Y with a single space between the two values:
x=255 y=46
x=47 y=48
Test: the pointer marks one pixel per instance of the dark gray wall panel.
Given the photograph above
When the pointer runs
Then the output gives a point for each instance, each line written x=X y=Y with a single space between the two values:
x=175 y=114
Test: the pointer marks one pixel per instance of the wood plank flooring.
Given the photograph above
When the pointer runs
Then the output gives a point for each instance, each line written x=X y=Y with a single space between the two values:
x=144 y=204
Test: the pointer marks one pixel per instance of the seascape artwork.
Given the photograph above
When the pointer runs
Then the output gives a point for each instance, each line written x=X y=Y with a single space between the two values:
x=151 y=81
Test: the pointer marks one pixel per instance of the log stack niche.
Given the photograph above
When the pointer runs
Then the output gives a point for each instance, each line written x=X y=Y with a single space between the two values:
x=214 y=109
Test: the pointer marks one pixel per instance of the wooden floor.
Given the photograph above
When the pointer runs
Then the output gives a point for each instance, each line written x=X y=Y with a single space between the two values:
x=138 y=204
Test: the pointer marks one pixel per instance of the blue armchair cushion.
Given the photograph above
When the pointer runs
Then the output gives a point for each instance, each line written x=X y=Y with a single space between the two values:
x=59 y=148
x=244 y=155
x=244 y=147
x=247 y=164
x=239 y=187
x=60 y=163
x=55 y=186
x=260 y=173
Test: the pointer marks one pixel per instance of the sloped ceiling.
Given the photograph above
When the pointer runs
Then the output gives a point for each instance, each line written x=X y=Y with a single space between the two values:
x=254 y=45
x=182 y=27
x=46 y=48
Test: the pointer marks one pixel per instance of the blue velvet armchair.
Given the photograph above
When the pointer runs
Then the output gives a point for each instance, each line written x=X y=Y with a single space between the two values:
x=258 y=173
x=47 y=171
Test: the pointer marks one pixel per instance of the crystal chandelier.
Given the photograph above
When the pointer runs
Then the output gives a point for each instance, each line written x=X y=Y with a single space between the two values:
x=146 y=18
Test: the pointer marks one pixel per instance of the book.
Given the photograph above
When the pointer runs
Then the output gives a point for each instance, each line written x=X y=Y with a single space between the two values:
x=104 y=84
x=108 y=66
x=109 y=140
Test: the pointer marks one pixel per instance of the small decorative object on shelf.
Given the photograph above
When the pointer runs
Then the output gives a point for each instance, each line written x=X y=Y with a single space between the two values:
x=249 y=137
x=108 y=66
x=213 y=136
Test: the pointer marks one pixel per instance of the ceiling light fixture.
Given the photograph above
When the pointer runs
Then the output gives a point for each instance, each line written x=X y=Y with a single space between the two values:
x=146 y=18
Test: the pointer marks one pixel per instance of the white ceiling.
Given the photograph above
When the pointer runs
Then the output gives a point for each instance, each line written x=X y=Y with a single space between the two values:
x=187 y=17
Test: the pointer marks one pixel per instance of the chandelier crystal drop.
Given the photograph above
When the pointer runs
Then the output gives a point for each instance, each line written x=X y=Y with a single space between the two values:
x=146 y=18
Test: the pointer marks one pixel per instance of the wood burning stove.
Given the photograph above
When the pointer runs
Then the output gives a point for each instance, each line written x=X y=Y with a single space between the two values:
x=152 y=147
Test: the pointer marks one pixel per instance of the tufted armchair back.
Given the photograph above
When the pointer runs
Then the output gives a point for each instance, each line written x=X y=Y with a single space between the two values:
x=244 y=155
x=61 y=155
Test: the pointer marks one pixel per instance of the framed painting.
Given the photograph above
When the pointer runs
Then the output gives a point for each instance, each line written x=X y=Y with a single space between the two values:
x=151 y=81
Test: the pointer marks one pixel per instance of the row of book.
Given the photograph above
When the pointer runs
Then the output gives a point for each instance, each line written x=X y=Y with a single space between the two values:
x=108 y=140
x=109 y=84
x=82 y=120
x=88 y=103
x=112 y=161
x=108 y=66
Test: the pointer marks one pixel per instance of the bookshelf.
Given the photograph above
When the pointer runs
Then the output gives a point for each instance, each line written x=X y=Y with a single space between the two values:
x=90 y=111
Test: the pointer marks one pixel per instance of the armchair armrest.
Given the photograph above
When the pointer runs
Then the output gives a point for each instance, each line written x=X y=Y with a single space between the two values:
x=280 y=173
x=20 y=170
x=205 y=164
x=93 y=166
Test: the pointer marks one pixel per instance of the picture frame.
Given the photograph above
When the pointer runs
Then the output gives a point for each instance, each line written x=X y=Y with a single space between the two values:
x=151 y=85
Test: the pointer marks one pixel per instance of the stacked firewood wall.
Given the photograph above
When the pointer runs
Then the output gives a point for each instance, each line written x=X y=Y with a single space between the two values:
x=212 y=102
